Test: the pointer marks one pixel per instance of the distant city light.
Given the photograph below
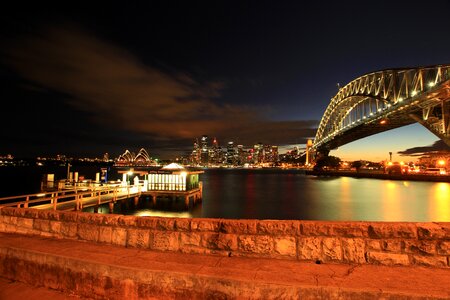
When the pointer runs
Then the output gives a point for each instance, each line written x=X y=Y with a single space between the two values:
x=431 y=84
x=413 y=93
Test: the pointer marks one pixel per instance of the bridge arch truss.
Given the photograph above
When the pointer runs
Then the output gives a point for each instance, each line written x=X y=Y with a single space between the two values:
x=385 y=100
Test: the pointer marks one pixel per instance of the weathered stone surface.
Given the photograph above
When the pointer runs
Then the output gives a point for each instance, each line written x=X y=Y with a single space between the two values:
x=227 y=242
x=49 y=215
x=427 y=247
x=332 y=249
x=443 y=248
x=337 y=229
x=393 y=245
x=90 y=218
x=88 y=232
x=25 y=223
x=374 y=245
x=183 y=224
x=111 y=219
x=255 y=244
x=105 y=234
x=69 y=229
x=285 y=246
x=238 y=226
x=190 y=239
x=167 y=224
x=354 y=250
x=138 y=238
x=69 y=216
x=209 y=240
x=147 y=222
x=389 y=259
x=310 y=248
x=55 y=226
x=127 y=221
x=31 y=213
x=41 y=225
x=430 y=261
x=119 y=236
x=392 y=230
x=205 y=225
x=273 y=227
x=433 y=230
x=165 y=241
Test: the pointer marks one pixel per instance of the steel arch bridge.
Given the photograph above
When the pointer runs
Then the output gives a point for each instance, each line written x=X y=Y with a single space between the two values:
x=385 y=100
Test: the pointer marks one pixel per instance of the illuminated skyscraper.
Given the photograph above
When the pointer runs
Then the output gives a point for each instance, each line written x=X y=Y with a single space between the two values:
x=231 y=154
x=204 y=153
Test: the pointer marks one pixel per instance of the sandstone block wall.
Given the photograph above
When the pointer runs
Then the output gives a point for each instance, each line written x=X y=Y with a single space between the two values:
x=385 y=243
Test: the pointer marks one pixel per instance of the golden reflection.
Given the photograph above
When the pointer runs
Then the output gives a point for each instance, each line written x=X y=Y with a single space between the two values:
x=392 y=210
x=155 y=213
x=440 y=202
x=346 y=210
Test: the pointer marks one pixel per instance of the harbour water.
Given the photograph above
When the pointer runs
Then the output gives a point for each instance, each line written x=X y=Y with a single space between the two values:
x=274 y=194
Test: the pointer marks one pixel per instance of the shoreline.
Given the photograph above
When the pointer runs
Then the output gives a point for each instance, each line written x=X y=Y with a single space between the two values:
x=384 y=176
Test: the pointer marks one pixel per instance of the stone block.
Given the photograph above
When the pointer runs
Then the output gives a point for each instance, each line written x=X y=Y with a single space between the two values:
x=354 y=250
x=392 y=230
x=238 y=226
x=25 y=223
x=105 y=234
x=205 y=225
x=334 y=229
x=31 y=213
x=314 y=228
x=284 y=228
x=147 y=222
x=209 y=240
x=285 y=246
x=190 y=239
x=55 y=227
x=138 y=238
x=227 y=242
x=50 y=215
x=255 y=244
x=127 y=221
x=433 y=230
x=427 y=247
x=90 y=218
x=310 y=248
x=69 y=229
x=69 y=216
x=393 y=245
x=430 y=261
x=443 y=247
x=389 y=259
x=119 y=236
x=110 y=220
x=165 y=224
x=183 y=224
x=88 y=232
x=41 y=225
x=10 y=211
x=332 y=249
x=374 y=245
x=165 y=241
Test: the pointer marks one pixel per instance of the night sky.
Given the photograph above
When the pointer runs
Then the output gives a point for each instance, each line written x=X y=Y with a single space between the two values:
x=89 y=80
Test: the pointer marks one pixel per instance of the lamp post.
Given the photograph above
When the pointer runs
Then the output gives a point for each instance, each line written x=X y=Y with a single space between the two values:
x=390 y=156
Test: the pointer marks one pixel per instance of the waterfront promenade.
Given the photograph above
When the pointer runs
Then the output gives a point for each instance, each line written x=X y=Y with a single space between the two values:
x=103 y=271
x=128 y=257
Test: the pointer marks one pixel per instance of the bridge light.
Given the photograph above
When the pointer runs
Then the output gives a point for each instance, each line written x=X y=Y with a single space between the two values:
x=388 y=105
x=413 y=93
x=431 y=84
x=371 y=113
x=379 y=109
x=383 y=122
x=400 y=99
x=364 y=117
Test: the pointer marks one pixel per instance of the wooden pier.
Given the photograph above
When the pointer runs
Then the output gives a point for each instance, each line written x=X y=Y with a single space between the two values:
x=96 y=194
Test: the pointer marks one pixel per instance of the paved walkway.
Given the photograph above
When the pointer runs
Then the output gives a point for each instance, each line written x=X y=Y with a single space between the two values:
x=116 y=272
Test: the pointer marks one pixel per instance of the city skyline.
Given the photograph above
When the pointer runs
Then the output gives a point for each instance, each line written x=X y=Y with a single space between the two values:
x=91 y=81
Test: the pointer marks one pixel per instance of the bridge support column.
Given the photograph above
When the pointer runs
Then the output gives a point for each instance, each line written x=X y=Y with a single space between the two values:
x=440 y=127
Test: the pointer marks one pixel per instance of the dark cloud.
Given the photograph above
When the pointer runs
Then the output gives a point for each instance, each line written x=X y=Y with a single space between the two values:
x=418 y=151
x=115 y=89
